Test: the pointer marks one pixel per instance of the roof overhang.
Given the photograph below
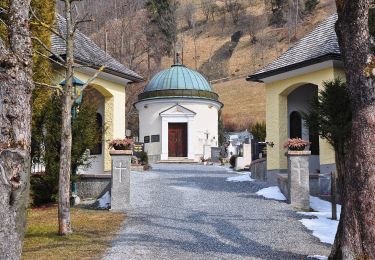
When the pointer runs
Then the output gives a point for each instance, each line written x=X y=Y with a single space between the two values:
x=179 y=100
x=330 y=60
x=91 y=67
x=104 y=75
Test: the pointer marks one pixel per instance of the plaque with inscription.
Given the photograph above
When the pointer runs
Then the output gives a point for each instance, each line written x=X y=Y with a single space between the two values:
x=155 y=138
x=146 y=139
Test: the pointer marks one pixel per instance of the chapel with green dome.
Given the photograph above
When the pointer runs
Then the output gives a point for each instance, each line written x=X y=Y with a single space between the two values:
x=178 y=115
x=178 y=80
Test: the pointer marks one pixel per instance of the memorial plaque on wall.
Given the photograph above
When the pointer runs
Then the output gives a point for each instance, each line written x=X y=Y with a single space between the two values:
x=155 y=138
x=138 y=148
x=146 y=139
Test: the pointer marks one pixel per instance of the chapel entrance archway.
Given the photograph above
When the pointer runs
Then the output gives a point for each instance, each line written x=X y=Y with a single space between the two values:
x=102 y=100
x=298 y=102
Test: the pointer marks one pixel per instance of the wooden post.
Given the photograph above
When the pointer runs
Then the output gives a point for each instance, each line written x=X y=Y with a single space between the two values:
x=333 y=196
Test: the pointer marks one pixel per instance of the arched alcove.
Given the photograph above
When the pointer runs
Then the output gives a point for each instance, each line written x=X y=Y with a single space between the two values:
x=295 y=125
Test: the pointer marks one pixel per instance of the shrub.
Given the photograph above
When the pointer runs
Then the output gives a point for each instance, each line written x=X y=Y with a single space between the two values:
x=43 y=190
x=143 y=158
x=232 y=160
x=85 y=134
x=259 y=131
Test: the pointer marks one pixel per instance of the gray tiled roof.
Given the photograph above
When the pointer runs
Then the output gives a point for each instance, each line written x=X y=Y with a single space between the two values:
x=319 y=45
x=86 y=52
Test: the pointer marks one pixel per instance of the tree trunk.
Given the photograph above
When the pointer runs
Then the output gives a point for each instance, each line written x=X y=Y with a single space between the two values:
x=66 y=132
x=16 y=86
x=355 y=238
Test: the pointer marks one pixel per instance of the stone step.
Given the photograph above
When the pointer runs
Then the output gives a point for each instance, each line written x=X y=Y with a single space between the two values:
x=179 y=160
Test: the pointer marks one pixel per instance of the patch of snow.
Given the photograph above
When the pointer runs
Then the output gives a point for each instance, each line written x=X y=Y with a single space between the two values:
x=184 y=188
x=317 y=257
x=241 y=178
x=271 y=193
x=105 y=201
x=323 y=227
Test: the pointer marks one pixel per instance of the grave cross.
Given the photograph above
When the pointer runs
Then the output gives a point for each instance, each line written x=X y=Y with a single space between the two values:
x=120 y=167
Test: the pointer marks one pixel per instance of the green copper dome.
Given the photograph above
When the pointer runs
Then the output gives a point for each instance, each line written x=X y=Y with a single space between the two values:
x=178 y=77
x=178 y=81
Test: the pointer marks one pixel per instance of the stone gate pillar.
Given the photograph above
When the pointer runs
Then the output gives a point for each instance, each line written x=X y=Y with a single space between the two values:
x=298 y=179
x=120 y=185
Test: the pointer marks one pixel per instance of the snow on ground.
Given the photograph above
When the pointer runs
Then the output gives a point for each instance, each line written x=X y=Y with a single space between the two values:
x=323 y=227
x=271 y=193
x=105 y=201
x=317 y=257
x=241 y=178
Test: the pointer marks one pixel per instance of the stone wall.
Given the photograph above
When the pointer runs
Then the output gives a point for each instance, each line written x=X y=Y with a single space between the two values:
x=258 y=169
x=92 y=186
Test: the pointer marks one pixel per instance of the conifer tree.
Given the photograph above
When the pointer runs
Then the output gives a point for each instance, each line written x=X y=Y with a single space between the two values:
x=162 y=32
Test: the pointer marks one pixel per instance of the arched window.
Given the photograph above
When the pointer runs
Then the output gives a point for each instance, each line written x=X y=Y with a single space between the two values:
x=295 y=125
x=97 y=150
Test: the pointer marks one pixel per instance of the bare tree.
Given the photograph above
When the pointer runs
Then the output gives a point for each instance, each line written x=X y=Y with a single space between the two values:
x=16 y=86
x=189 y=14
x=235 y=8
x=72 y=21
x=206 y=8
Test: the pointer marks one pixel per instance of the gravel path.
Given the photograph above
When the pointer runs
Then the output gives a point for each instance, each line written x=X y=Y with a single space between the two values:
x=192 y=212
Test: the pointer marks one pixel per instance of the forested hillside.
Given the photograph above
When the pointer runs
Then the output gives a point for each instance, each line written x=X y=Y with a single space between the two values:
x=225 y=40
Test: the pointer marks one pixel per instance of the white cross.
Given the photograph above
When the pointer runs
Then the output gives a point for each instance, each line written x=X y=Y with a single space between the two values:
x=120 y=167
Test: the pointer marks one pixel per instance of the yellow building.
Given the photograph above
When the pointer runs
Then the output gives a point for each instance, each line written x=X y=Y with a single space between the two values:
x=107 y=90
x=291 y=82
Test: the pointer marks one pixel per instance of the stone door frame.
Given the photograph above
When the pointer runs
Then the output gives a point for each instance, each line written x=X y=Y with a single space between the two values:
x=177 y=114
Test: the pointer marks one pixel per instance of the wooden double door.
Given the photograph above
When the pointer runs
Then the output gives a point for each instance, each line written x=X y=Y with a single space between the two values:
x=177 y=139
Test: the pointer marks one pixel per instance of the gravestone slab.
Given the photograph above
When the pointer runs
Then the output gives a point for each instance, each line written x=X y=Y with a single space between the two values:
x=206 y=151
x=215 y=154
x=298 y=175
x=247 y=154
x=240 y=164
x=120 y=186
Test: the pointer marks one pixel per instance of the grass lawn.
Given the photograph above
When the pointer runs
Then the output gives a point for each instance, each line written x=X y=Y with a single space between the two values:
x=93 y=231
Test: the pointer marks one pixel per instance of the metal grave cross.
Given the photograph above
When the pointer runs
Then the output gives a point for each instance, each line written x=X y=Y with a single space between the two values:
x=120 y=167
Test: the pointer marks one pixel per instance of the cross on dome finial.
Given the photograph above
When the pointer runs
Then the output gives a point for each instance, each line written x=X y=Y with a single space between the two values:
x=178 y=59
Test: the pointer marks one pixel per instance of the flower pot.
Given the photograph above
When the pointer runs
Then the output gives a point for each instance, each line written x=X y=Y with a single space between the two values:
x=297 y=148
x=121 y=147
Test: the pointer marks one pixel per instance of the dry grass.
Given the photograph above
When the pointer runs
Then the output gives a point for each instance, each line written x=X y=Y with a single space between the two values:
x=244 y=102
x=93 y=232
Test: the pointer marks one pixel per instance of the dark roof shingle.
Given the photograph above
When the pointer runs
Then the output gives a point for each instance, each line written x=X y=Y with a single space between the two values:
x=319 y=45
x=86 y=52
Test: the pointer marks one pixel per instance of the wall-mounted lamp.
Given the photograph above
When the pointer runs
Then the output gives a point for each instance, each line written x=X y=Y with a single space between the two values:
x=270 y=144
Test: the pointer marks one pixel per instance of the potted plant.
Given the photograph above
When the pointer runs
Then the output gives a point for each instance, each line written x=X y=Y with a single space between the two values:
x=204 y=161
x=121 y=144
x=296 y=144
